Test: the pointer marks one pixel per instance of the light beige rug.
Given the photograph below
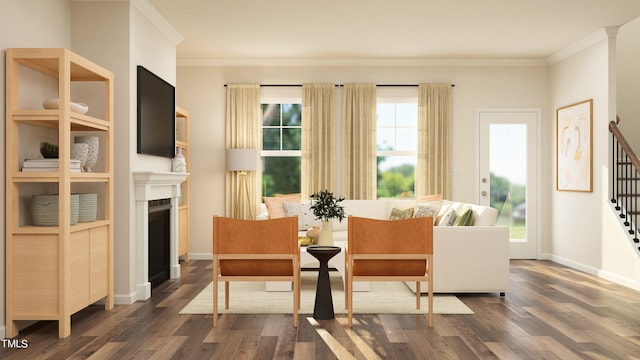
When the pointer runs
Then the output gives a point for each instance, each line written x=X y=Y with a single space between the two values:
x=383 y=298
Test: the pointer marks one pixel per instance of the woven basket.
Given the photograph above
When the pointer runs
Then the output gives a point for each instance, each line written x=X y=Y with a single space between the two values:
x=88 y=207
x=44 y=209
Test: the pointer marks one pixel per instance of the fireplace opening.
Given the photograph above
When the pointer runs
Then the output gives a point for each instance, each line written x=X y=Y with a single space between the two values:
x=159 y=241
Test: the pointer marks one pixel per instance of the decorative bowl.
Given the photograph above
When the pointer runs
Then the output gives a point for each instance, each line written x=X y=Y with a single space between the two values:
x=54 y=103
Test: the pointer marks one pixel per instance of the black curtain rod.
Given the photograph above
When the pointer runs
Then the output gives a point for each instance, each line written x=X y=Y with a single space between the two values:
x=340 y=85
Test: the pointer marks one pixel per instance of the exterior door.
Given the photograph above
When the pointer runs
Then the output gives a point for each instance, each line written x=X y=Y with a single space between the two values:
x=508 y=173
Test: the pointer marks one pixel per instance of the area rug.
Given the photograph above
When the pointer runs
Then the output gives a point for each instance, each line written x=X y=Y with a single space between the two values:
x=383 y=298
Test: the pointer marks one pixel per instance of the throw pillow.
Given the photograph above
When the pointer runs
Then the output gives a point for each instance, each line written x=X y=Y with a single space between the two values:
x=448 y=218
x=435 y=197
x=464 y=218
x=427 y=208
x=275 y=205
x=306 y=219
x=401 y=214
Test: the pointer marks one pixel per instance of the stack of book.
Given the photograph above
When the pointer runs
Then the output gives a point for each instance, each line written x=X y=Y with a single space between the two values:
x=48 y=165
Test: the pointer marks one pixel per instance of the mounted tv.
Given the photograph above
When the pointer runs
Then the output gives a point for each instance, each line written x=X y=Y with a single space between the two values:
x=156 y=115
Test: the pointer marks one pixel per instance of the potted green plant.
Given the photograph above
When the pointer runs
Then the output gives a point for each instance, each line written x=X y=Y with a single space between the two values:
x=325 y=206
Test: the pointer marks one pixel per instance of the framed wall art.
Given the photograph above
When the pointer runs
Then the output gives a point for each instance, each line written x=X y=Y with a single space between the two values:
x=574 y=147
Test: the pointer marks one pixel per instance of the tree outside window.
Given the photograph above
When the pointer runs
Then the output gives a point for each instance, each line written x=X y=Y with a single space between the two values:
x=397 y=148
x=281 y=148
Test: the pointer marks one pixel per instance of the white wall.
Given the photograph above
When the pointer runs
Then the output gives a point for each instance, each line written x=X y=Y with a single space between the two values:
x=120 y=36
x=27 y=23
x=628 y=82
x=600 y=247
x=201 y=91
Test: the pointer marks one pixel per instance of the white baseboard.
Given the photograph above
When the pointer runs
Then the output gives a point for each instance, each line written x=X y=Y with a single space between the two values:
x=615 y=278
x=124 y=299
x=200 y=256
x=630 y=283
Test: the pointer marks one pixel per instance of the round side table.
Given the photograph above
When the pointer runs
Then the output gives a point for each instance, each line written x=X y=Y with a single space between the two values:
x=323 y=307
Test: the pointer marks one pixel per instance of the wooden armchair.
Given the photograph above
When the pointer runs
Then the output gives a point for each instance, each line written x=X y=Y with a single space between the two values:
x=389 y=250
x=255 y=250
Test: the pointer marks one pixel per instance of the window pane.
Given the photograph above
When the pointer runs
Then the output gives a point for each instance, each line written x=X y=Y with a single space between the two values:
x=385 y=138
x=407 y=139
x=280 y=175
x=385 y=114
x=407 y=114
x=291 y=114
x=270 y=114
x=271 y=139
x=396 y=176
x=291 y=138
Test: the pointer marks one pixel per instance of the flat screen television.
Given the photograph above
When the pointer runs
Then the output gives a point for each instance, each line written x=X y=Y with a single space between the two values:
x=156 y=115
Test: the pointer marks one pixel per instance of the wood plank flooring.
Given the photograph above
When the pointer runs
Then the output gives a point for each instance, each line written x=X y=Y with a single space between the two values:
x=550 y=312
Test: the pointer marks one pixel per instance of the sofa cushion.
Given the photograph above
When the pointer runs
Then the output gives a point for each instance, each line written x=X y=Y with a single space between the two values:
x=401 y=214
x=302 y=210
x=447 y=218
x=435 y=197
x=464 y=218
x=375 y=209
x=275 y=205
x=427 y=208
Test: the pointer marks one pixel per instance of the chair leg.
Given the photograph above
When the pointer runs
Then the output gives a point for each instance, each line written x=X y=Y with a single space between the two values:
x=296 y=299
x=215 y=301
x=226 y=295
x=349 y=297
x=430 y=297
x=418 y=295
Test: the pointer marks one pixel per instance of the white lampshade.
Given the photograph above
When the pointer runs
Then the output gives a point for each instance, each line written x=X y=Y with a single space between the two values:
x=242 y=159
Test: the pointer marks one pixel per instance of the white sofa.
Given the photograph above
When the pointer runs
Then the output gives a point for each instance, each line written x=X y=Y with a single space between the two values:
x=467 y=259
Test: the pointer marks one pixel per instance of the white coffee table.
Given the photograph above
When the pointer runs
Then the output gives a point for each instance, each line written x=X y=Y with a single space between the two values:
x=307 y=261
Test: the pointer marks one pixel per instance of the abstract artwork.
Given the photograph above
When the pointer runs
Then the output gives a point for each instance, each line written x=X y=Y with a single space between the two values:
x=574 y=147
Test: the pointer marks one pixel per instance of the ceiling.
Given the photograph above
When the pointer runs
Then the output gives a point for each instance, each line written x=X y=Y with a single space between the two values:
x=387 y=29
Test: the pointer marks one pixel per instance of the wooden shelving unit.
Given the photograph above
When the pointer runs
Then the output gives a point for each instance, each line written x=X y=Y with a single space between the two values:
x=53 y=272
x=182 y=143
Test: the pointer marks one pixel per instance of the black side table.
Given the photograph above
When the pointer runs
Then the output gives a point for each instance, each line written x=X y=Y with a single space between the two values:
x=323 y=308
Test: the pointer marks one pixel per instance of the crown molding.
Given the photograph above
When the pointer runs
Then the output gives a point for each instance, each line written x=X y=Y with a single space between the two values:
x=152 y=14
x=158 y=20
x=361 y=62
x=596 y=37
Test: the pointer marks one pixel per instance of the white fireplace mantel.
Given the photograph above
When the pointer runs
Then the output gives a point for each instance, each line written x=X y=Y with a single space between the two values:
x=152 y=185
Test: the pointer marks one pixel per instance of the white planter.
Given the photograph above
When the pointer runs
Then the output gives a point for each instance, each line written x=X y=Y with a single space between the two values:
x=326 y=235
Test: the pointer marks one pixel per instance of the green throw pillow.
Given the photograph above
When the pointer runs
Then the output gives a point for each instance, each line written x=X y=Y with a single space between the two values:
x=464 y=218
x=401 y=214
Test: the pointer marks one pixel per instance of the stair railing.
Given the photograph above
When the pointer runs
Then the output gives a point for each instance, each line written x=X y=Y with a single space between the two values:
x=625 y=176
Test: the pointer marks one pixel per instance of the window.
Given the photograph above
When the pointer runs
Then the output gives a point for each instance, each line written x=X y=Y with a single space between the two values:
x=397 y=148
x=281 y=148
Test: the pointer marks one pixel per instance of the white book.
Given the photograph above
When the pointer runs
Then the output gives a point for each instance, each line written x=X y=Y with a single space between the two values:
x=48 y=163
x=42 y=169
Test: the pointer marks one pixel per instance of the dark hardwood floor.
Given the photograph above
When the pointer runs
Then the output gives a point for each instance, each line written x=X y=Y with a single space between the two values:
x=550 y=312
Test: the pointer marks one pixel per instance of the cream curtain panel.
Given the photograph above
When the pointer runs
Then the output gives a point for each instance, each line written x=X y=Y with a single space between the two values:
x=359 y=141
x=243 y=124
x=318 y=138
x=434 y=140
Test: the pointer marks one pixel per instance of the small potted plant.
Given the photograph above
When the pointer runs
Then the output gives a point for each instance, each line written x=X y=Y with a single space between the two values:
x=325 y=206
